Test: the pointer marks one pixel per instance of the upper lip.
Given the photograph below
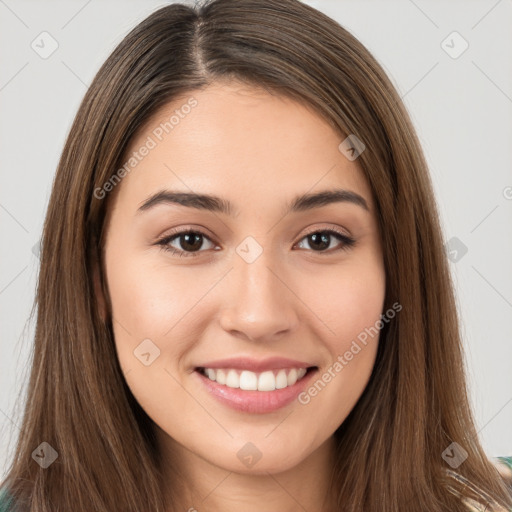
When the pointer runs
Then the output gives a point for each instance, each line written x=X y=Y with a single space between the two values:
x=255 y=365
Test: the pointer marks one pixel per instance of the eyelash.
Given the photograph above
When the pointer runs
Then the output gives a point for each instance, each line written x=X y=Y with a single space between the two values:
x=348 y=242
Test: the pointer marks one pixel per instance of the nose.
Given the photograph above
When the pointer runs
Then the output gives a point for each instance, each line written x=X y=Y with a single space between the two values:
x=260 y=303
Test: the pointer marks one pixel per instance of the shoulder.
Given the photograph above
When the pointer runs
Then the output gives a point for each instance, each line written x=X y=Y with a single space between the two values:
x=486 y=504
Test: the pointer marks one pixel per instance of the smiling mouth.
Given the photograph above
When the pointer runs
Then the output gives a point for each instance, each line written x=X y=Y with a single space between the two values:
x=246 y=380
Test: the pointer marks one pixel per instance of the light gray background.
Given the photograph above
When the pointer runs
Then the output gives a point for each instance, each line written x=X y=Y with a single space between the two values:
x=461 y=108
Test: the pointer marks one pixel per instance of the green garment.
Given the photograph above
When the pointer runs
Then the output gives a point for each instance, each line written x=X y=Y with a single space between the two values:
x=5 y=502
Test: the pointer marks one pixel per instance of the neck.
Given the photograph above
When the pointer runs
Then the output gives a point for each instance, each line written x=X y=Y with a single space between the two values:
x=198 y=485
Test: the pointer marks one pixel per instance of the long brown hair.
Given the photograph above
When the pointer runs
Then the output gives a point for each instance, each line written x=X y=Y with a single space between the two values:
x=389 y=449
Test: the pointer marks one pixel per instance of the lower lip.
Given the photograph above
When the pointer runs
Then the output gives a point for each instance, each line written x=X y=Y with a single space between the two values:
x=256 y=402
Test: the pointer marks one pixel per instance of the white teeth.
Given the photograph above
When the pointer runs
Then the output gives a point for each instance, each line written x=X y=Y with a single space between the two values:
x=251 y=381
x=232 y=380
x=221 y=376
x=292 y=377
x=281 y=379
x=266 y=381
x=248 y=381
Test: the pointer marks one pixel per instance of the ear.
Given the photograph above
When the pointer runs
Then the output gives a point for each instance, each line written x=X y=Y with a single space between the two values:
x=99 y=293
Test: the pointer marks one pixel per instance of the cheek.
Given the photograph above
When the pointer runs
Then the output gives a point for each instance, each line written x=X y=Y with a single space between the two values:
x=349 y=302
x=346 y=299
x=358 y=308
x=149 y=298
x=153 y=301
x=149 y=309
x=141 y=308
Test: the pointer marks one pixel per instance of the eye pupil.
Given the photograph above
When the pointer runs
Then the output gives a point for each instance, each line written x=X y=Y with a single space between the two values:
x=191 y=238
x=322 y=239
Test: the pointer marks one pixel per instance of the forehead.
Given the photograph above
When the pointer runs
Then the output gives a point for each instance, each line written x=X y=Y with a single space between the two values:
x=239 y=142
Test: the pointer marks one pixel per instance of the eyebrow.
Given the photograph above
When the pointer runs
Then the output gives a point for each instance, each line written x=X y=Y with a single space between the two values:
x=213 y=203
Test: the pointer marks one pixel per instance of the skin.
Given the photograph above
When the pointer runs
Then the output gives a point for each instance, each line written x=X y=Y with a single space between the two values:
x=258 y=151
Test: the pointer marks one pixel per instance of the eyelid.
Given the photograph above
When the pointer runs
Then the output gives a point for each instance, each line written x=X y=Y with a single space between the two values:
x=203 y=231
x=316 y=229
x=187 y=228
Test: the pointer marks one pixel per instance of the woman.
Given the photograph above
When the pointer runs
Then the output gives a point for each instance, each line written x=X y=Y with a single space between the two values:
x=226 y=159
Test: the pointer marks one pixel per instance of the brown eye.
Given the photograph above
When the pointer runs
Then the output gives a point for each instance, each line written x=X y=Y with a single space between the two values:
x=188 y=242
x=320 y=240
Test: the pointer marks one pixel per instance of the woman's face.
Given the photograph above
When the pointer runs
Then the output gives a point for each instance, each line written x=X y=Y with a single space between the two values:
x=256 y=294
